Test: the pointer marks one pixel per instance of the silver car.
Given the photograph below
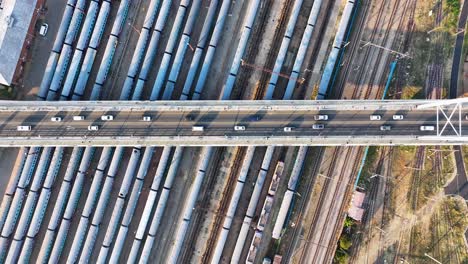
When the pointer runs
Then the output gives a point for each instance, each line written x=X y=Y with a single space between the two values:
x=321 y=117
x=318 y=126
x=385 y=127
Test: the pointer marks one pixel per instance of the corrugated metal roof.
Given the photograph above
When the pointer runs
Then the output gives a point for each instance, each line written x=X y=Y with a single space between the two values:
x=15 y=18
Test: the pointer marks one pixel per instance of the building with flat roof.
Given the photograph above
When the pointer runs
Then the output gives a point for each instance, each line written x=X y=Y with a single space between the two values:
x=356 y=211
x=17 y=24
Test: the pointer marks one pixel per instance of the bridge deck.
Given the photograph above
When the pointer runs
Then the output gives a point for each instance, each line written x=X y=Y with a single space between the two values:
x=262 y=122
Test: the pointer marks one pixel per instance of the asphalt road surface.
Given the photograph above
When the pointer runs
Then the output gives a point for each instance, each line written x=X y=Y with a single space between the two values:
x=130 y=123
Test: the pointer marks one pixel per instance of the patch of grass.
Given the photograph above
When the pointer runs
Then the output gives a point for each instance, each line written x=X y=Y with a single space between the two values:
x=465 y=154
x=451 y=12
x=442 y=236
x=412 y=92
x=369 y=167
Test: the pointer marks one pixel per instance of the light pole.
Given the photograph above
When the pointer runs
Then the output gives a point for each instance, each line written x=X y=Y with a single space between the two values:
x=386 y=49
x=427 y=255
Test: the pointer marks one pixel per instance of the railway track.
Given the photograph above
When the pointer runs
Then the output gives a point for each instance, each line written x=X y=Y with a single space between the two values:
x=362 y=70
x=273 y=51
x=308 y=191
x=414 y=194
x=224 y=204
x=200 y=213
x=370 y=212
x=353 y=47
x=337 y=224
x=314 y=219
x=388 y=29
x=252 y=52
x=344 y=206
x=404 y=48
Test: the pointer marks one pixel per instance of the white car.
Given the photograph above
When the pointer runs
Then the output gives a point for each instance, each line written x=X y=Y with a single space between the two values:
x=56 y=119
x=385 y=128
x=318 y=126
x=398 y=117
x=288 y=129
x=426 y=128
x=147 y=118
x=78 y=118
x=375 y=117
x=93 y=128
x=107 y=117
x=198 y=128
x=321 y=117
x=23 y=128
x=239 y=128
x=43 y=30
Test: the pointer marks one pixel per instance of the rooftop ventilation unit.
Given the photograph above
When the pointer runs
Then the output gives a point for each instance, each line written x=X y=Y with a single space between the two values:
x=9 y=20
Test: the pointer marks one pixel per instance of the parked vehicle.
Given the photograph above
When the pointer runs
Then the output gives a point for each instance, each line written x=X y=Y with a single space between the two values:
x=43 y=30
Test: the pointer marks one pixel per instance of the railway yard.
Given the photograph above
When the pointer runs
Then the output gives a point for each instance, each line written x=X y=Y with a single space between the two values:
x=234 y=204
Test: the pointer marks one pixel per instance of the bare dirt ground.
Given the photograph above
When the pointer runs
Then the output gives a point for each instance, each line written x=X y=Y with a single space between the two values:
x=412 y=218
x=328 y=199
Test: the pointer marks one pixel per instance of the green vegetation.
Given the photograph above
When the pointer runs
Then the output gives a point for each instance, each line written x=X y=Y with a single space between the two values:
x=6 y=93
x=451 y=11
x=432 y=181
x=369 y=167
x=442 y=235
x=345 y=242
x=412 y=92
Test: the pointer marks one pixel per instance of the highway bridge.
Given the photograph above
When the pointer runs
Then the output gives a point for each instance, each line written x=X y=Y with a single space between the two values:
x=216 y=123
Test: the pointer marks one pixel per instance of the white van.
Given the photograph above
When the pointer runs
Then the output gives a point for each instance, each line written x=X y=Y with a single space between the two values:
x=56 y=119
x=23 y=128
x=198 y=128
x=43 y=29
x=78 y=118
